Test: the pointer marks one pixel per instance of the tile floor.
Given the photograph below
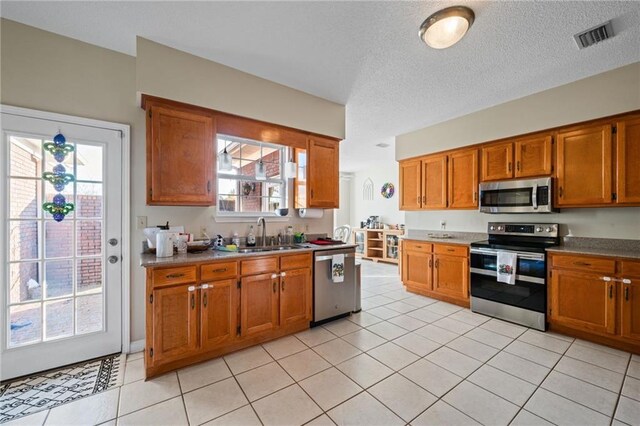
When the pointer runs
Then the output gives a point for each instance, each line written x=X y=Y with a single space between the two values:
x=405 y=359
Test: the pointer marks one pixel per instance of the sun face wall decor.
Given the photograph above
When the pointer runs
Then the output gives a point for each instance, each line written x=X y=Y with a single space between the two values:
x=387 y=190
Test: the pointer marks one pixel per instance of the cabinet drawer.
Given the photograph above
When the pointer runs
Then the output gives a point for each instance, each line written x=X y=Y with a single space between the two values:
x=295 y=261
x=630 y=268
x=450 y=250
x=170 y=276
x=218 y=271
x=581 y=263
x=417 y=245
x=259 y=266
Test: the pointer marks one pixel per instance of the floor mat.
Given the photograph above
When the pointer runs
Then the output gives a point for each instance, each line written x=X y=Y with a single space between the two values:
x=49 y=389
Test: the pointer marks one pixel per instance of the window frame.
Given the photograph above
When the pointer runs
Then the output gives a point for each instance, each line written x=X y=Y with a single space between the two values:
x=282 y=181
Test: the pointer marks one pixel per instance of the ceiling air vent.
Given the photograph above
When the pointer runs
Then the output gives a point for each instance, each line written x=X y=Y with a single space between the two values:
x=382 y=145
x=594 y=35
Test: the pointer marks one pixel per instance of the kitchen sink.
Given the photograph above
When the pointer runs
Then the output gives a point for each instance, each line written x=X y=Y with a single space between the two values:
x=263 y=249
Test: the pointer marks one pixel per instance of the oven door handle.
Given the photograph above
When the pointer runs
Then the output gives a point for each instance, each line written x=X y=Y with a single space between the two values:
x=525 y=278
x=534 y=196
x=489 y=252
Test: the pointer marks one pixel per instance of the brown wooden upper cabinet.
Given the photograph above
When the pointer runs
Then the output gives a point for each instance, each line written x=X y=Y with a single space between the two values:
x=519 y=158
x=628 y=161
x=180 y=156
x=441 y=181
x=317 y=180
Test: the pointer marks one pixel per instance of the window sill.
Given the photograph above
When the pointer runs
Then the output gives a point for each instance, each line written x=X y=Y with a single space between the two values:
x=250 y=219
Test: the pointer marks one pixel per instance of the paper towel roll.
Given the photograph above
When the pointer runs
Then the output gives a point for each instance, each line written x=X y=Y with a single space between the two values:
x=311 y=213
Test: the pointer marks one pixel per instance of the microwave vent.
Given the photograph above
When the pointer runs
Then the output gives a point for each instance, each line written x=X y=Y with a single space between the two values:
x=594 y=35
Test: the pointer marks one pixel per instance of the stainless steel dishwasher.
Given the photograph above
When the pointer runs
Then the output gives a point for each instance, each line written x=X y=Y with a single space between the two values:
x=331 y=299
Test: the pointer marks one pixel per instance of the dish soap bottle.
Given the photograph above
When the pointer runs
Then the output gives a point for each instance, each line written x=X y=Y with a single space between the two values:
x=251 y=238
x=235 y=240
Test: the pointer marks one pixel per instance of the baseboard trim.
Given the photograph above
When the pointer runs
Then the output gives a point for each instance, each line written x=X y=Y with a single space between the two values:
x=136 y=346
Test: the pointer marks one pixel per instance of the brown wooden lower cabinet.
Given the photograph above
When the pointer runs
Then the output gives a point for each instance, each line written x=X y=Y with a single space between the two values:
x=427 y=270
x=194 y=321
x=595 y=298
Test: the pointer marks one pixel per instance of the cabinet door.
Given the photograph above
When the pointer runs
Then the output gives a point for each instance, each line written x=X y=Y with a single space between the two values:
x=323 y=180
x=416 y=269
x=583 y=301
x=533 y=156
x=219 y=313
x=175 y=329
x=630 y=308
x=259 y=304
x=295 y=296
x=410 y=185
x=584 y=166
x=628 y=161
x=434 y=182
x=463 y=179
x=180 y=158
x=451 y=276
x=497 y=162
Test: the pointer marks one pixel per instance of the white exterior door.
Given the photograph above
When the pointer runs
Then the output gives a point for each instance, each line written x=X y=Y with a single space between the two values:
x=61 y=293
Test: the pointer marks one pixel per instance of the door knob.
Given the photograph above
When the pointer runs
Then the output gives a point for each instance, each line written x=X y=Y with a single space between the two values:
x=113 y=259
x=113 y=242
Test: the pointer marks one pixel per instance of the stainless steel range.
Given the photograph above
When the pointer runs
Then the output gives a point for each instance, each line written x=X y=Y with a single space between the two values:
x=525 y=301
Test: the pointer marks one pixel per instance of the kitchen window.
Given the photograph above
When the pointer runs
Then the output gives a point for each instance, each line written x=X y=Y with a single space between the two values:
x=239 y=192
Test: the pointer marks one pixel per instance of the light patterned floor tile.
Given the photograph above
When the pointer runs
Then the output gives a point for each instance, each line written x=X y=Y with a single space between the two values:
x=634 y=369
x=469 y=317
x=407 y=322
x=315 y=336
x=525 y=418
x=134 y=370
x=35 y=419
x=341 y=327
x=419 y=301
x=135 y=355
x=393 y=356
x=137 y=395
x=322 y=420
x=631 y=388
x=205 y=373
x=330 y=388
x=263 y=381
x=453 y=361
x=363 y=409
x=505 y=328
x=597 y=357
x=364 y=319
x=417 y=344
x=443 y=308
x=442 y=413
x=602 y=348
x=628 y=411
x=247 y=359
x=244 y=416
x=401 y=307
x=489 y=337
x=431 y=377
x=589 y=395
x=454 y=326
x=436 y=334
x=95 y=409
x=474 y=349
x=481 y=405
x=533 y=353
x=365 y=370
x=304 y=364
x=542 y=340
x=402 y=396
x=290 y=406
x=590 y=373
x=509 y=387
x=169 y=413
x=561 y=411
x=364 y=339
x=425 y=315
x=284 y=346
x=387 y=330
x=212 y=401
x=519 y=367
x=384 y=313
x=336 y=351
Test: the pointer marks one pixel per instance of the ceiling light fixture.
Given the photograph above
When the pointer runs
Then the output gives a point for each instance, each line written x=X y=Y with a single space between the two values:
x=261 y=170
x=225 y=160
x=446 y=27
x=290 y=166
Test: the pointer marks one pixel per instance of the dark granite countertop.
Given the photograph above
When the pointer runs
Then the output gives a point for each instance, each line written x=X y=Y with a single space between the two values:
x=461 y=238
x=609 y=247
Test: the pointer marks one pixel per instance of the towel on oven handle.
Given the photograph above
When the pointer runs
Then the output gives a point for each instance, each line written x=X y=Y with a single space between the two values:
x=337 y=268
x=506 y=267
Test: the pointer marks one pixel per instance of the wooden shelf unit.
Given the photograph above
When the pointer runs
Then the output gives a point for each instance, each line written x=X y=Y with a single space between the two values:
x=372 y=247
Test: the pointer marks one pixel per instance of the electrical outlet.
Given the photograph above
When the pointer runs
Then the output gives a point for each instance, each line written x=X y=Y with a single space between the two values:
x=203 y=230
x=306 y=228
x=443 y=224
x=141 y=222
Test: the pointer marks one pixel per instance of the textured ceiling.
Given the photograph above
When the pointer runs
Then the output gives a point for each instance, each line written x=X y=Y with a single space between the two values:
x=367 y=55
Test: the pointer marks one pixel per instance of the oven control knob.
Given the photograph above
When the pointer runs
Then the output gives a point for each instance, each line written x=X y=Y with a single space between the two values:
x=539 y=229
x=549 y=229
x=500 y=227
x=492 y=228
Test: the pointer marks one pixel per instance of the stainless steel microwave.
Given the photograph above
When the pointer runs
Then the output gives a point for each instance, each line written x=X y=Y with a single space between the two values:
x=517 y=196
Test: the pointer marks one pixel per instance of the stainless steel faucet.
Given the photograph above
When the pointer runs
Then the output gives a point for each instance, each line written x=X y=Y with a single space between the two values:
x=264 y=230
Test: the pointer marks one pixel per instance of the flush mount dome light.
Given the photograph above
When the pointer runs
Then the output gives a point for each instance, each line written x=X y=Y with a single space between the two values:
x=446 y=27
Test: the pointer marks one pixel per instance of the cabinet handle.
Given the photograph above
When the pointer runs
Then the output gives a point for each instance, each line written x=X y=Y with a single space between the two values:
x=437 y=261
x=174 y=275
x=475 y=196
x=607 y=279
x=208 y=186
x=193 y=301
x=282 y=284
x=450 y=249
x=312 y=193
x=517 y=165
x=204 y=299
x=274 y=286
x=419 y=247
x=583 y=264
x=509 y=167
x=560 y=192
x=220 y=270
x=626 y=294
x=430 y=263
x=424 y=199
x=626 y=281
x=611 y=291
x=191 y=288
x=418 y=202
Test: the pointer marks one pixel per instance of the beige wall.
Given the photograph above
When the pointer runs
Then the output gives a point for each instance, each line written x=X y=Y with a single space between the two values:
x=386 y=208
x=169 y=73
x=605 y=94
x=45 y=71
